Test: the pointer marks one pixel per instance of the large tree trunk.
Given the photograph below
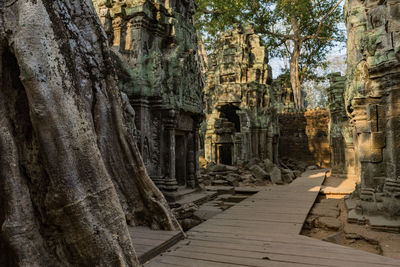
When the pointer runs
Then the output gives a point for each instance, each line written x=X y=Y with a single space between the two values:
x=71 y=177
x=295 y=76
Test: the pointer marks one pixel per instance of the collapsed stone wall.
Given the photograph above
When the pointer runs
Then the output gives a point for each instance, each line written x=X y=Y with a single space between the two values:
x=304 y=137
x=241 y=116
x=372 y=102
x=156 y=50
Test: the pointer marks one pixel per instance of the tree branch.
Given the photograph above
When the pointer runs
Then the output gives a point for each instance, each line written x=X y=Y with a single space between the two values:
x=320 y=24
x=278 y=35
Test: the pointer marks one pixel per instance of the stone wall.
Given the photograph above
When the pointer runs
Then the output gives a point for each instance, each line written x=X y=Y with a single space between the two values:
x=155 y=49
x=284 y=94
x=372 y=102
x=340 y=132
x=304 y=137
x=241 y=116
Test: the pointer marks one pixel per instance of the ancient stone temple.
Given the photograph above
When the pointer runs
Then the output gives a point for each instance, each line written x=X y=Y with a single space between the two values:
x=241 y=117
x=156 y=51
x=284 y=94
x=372 y=102
x=304 y=137
x=340 y=132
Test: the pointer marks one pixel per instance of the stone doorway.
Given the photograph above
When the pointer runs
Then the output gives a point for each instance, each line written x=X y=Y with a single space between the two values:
x=229 y=112
x=225 y=154
x=181 y=159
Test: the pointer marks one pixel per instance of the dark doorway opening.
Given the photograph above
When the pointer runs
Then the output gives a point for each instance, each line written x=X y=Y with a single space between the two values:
x=229 y=112
x=225 y=154
x=180 y=159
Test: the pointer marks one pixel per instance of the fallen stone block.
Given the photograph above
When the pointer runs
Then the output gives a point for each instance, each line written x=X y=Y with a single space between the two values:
x=259 y=173
x=276 y=175
x=328 y=223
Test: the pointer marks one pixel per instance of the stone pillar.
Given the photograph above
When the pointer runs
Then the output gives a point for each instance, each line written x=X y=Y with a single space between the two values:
x=237 y=148
x=170 y=183
x=276 y=149
x=338 y=120
x=191 y=159
x=264 y=148
x=196 y=154
x=270 y=147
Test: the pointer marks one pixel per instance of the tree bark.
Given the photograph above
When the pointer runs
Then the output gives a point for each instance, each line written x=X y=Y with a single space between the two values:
x=71 y=176
x=294 y=65
x=295 y=76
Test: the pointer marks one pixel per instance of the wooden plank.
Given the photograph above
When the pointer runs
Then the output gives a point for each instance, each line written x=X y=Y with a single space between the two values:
x=152 y=237
x=246 y=230
x=281 y=251
x=246 y=212
x=286 y=242
x=146 y=230
x=167 y=262
x=289 y=258
x=148 y=242
x=256 y=225
x=260 y=239
x=263 y=231
x=289 y=218
x=232 y=260
x=301 y=211
x=171 y=261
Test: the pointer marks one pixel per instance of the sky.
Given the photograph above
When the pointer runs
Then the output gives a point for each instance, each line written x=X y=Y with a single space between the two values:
x=337 y=53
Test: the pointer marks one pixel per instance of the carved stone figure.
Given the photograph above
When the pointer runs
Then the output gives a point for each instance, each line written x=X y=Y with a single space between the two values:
x=241 y=117
x=372 y=102
x=160 y=69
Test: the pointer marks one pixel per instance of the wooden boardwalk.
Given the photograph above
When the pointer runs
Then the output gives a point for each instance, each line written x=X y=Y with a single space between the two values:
x=149 y=243
x=263 y=230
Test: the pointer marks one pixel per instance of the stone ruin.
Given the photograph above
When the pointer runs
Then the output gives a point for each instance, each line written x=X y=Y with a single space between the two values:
x=156 y=52
x=304 y=137
x=284 y=94
x=372 y=103
x=241 y=116
x=155 y=42
x=340 y=132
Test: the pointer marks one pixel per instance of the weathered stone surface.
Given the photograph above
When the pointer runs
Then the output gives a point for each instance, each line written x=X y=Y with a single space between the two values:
x=304 y=137
x=340 y=132
x=160 y=67
x=267 y=164
x=222 y=168
x=221 y=189
x=284 y=94
x=276 y=176
x=259 y=173
x=241 y=117
x=324 y=211
x=288 y=175
x=328 y=222
x=372 y=102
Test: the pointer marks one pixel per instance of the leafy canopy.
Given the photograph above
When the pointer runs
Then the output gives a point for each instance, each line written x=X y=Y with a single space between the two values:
x=281 y=23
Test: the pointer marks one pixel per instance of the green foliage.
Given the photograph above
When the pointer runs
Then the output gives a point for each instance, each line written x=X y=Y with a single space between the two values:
x=281 y=23
x=214 y=17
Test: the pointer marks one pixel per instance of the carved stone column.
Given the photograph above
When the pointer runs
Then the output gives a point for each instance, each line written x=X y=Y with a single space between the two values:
x=270 y=147
x=170 y=183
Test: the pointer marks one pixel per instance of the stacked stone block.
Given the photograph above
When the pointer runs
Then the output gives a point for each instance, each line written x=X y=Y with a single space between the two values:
x=241 y=117
x=372 y=102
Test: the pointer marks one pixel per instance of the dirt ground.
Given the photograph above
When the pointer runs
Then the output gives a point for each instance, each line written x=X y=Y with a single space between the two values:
x=328 y=221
